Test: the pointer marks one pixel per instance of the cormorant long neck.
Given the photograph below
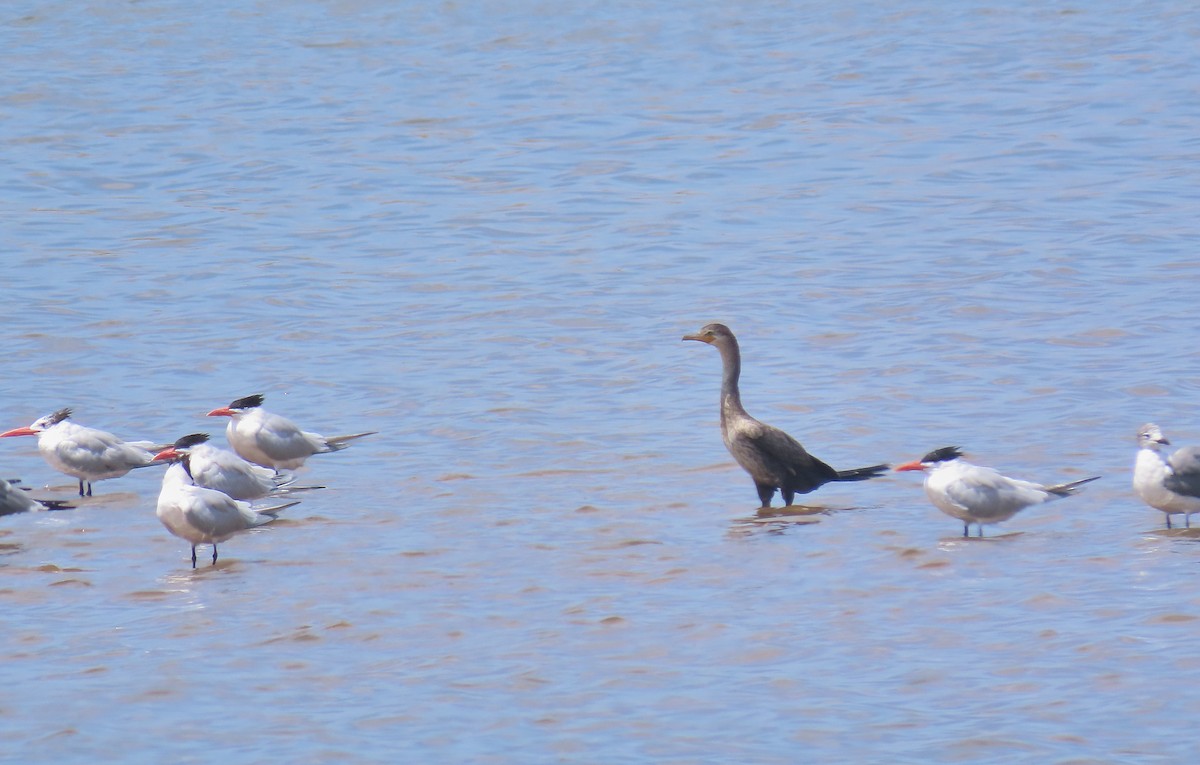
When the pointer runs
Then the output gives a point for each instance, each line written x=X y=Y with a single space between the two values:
x=731 y=363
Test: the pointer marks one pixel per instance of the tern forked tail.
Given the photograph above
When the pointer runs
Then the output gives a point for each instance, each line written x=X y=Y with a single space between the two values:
x=1067 y=489
x=337 y=443
x=269 y=514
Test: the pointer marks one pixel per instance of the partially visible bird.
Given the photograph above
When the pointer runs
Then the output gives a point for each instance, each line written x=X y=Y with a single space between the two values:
x=773 y=459
x=271 y=440
x=1167 y=483
x=222 y=470
x=15 y=499
x=980 y=495
x=206 y=516
x=84 y=453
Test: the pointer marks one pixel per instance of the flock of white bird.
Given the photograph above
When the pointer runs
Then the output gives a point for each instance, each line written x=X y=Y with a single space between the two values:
x=206 y=491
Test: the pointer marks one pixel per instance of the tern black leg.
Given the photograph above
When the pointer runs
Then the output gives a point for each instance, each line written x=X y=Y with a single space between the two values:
x=81 y=488
x=1168 y=520
x=214 y=553
x=966 y=530
x=193 y=556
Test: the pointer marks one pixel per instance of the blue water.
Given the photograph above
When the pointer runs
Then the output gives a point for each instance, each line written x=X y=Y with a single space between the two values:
x=481 y=229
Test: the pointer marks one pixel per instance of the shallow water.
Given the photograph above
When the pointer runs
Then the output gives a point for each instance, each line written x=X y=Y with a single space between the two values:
x=481 y=230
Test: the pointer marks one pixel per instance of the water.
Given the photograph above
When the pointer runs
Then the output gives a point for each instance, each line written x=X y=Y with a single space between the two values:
x=481 y=229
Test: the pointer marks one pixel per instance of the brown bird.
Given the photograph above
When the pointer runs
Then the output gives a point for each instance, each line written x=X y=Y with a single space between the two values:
x=773 y=459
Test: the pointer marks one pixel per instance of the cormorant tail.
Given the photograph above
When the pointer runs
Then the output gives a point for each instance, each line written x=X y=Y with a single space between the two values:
x=862 y=474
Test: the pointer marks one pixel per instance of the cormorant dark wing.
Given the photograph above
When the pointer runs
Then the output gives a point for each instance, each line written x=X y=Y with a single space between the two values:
x=798 y=470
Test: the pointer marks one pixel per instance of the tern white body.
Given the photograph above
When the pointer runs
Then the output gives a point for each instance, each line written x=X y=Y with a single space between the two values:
x=977 y=494
x=84 y=453
x=89 y=454
x=271 y=440
x=205 y=516
x=980 y=495
x=226 y=472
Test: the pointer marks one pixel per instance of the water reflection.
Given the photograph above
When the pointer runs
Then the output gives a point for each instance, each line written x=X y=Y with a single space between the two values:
x=959 y=541
x=9 y=545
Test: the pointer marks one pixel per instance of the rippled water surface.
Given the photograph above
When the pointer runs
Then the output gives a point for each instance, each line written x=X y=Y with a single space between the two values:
x=481 y=229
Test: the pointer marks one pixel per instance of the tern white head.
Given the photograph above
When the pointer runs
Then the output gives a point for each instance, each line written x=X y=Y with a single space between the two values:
x=40 y=424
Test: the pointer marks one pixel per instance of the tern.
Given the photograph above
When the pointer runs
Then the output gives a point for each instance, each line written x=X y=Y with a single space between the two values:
x=84 y=453
x=1167 y=483
x=224 y=471
x=773 y=459
x=270 y=440
x=205 y=516
x=980 y=495
x=14 y=499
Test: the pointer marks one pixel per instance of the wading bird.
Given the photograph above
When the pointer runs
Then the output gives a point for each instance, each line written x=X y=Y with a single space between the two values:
x=1167 y=483
x=205 y=516
x=773 y=459
x=980 y=495
x=84 y=453
x=270 y=440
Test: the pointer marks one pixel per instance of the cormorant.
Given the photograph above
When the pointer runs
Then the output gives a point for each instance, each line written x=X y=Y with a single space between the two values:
x=773 y=459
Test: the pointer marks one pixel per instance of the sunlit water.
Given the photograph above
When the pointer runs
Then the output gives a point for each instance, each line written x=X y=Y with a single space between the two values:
x=481 y=229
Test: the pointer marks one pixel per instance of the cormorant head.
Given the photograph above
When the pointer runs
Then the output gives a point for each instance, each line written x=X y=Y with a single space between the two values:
x=711 y=333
